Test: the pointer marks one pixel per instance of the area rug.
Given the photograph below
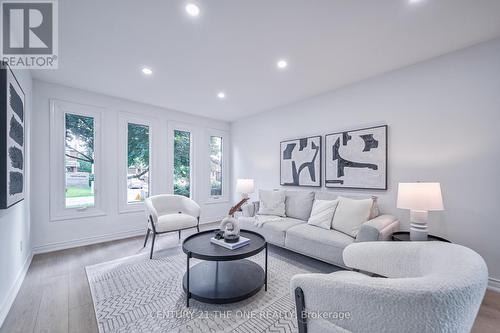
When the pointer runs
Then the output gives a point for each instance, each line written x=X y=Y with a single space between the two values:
x=136 y=294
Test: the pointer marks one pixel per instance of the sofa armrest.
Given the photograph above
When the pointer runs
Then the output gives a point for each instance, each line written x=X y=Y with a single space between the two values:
x=378 y=229
x=250 y=209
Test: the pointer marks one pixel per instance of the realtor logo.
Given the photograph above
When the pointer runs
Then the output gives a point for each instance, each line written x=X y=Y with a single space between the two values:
x=29 y=34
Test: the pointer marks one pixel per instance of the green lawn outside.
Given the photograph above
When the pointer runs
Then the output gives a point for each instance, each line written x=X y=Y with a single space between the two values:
x=76 y=192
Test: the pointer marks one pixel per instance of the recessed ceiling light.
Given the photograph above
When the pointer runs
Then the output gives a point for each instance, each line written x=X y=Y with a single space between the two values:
x=415 y=1
x=221 y=95
x=192 y=9
x=282 y=64
x=147 y=71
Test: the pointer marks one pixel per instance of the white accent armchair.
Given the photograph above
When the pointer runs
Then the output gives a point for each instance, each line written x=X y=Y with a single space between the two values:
x=430 y=287
x=168 y=213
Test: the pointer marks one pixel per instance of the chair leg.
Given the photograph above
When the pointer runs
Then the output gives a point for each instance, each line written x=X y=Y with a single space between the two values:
x=147 y=236
x=301 y=313
x=152 y=246
x=179 y=234
x=198 y=228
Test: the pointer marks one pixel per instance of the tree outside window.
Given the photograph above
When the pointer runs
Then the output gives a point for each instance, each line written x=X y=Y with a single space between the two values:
x=182 y=163
x=215 y=166
x=79 y=161
x=137 y=162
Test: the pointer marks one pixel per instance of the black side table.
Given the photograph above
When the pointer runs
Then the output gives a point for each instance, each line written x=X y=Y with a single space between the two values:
x=404 y=236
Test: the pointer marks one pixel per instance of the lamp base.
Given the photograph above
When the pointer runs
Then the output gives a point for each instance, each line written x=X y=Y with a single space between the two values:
x=418 y=225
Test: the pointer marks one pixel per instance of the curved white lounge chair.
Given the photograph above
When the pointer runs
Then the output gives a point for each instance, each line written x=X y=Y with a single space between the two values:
x=168 y=213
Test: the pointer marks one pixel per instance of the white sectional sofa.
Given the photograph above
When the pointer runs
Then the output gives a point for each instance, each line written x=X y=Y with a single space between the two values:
x=292 y=232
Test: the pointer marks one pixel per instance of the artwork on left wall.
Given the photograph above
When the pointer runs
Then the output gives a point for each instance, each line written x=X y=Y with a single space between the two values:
x=12 y=115
x=300 y=162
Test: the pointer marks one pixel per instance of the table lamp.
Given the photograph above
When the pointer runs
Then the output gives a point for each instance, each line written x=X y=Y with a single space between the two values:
x=244 y=187
x=419 y=198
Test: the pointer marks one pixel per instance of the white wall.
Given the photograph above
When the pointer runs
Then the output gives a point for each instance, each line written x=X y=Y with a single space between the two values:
x=50 y=235
x=444 y=126
x=15 y=221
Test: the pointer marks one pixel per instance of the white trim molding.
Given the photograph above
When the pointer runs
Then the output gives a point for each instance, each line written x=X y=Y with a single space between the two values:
x=14 y=289
x=211 y=219
x=105 y=238
x=88 y=240
x=494 y=284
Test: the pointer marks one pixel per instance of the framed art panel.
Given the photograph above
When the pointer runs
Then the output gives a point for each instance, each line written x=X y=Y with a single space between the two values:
x=300 y=162
x=357 y=159
x=12 y=140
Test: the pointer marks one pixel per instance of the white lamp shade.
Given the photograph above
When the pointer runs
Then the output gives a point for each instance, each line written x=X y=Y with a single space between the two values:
x=420 y=196
x=244 y=186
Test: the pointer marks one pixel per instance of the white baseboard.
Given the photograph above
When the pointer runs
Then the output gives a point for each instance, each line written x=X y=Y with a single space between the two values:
x=102 y=238
x=206 y=220
x=14 y=289
x=494 y=284
x=87 y=241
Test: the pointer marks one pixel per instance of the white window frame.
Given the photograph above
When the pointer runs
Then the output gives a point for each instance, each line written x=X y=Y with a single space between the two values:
x=225 y=166
x=173 y=126
x=58 y=210
x=124 y=119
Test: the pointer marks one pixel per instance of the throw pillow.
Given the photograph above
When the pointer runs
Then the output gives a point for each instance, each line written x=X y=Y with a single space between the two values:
x=298 y=204
x=351 y=214
x=322 y=213
x=272 y=202
x=333 y=196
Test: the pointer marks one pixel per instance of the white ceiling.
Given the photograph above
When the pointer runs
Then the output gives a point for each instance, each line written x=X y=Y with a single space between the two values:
x=234 y=45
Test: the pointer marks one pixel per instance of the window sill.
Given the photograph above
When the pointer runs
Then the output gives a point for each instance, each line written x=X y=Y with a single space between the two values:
x=216 y=201
x=77 y=215
x=131 y=208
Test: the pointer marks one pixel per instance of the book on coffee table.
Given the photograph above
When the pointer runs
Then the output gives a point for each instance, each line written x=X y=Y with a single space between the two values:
x=231 y=246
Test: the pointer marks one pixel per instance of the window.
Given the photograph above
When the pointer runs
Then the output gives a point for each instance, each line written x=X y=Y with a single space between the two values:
x=216 y=166
x=79 y=161
x=137 y=162
x=74 y=161
x=182 y=163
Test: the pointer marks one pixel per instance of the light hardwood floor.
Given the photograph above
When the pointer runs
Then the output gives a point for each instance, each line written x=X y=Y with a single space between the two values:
x=55 y=295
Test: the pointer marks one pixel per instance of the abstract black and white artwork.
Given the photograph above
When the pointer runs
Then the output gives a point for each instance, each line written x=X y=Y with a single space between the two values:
x=357 y=159
x=300 y=162
x=12 y=115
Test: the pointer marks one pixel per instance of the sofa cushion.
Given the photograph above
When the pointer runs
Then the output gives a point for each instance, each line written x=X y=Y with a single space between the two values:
x=326 y=245
x=320 y=195
x=273 y=230
x=298 y=204
x=351 y=214
x=322 y=213
x=272 y=202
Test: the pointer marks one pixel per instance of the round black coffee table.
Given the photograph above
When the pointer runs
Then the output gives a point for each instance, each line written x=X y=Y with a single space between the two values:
x=225 y=276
